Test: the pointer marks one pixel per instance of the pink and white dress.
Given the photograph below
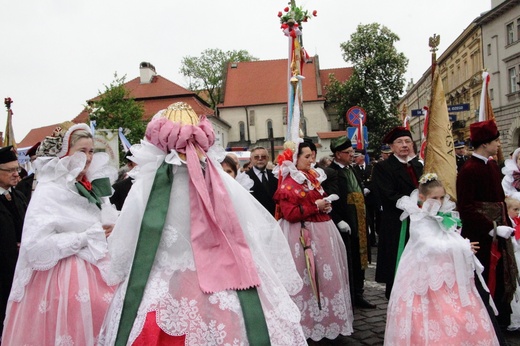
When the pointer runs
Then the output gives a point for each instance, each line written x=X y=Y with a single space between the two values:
x=434 y=300
x=174 y=309
x=59 y=296
x=331 y=315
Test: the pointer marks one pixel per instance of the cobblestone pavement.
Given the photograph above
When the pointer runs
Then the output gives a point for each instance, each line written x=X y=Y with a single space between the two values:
x=369 y=324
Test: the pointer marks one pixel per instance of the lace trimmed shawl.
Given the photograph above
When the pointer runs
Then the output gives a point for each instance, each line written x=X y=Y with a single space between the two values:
x=289 y=168
x=60 y=222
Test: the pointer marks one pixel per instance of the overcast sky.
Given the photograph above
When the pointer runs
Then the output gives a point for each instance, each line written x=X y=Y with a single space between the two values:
x=54 y=55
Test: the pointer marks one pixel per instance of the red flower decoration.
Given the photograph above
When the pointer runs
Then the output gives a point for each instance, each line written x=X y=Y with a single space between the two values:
x=86 y=184
x=286 y=9
x=279 y=14
x=315 y=13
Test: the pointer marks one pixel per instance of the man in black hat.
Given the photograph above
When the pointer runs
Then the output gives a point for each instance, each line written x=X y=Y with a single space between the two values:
x=460 y=154
x=393 y=178
x=348 y=213
x=122 y=187
x=480 y=201
x=12 y=212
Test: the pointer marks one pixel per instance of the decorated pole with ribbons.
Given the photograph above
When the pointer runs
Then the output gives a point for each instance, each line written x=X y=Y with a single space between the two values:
x=9 y=132
x=291 y=20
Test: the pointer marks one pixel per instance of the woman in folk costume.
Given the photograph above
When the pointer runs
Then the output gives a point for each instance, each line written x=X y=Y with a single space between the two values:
x=434 y=300
x=200 y=260
x=316 y=246
x=59 y=296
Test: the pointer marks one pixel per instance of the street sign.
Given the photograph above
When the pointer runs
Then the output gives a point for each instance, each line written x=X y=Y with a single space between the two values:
x=352 y=133
x=453 y=117
x=459 y=108
x=356 y=115
x=417 y=112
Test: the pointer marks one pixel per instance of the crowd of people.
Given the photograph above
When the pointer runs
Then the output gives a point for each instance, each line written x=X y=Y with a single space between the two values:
x=190 y=248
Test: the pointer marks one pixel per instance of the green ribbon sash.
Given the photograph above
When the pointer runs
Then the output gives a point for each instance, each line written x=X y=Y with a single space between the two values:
x=254 y=319
x=402 y=241
x=149 y=236
x=100 y=188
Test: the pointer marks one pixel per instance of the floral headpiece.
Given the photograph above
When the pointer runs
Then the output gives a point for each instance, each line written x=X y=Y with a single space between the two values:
x=427 y=178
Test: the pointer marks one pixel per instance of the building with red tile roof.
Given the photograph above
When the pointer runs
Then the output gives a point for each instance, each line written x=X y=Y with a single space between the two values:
x=255 y=101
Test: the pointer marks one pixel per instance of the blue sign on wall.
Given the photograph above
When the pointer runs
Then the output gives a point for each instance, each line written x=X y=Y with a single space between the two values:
x=417 y=112
x=459 y=108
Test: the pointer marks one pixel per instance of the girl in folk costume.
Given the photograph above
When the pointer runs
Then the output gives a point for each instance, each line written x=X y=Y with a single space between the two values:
x=200 y=261
x=316 y=246
x=58 y=290
x=511 y=186
x=513 y=210
x=434 y=300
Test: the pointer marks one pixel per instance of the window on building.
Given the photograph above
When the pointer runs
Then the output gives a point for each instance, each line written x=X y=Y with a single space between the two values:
x=242 y=129
x=513 y=87
x=284 y=115
x=491 y=94
x=251 y=118
x=518 y=29
x=510 y=34
x=270 y=128
x=489 y=49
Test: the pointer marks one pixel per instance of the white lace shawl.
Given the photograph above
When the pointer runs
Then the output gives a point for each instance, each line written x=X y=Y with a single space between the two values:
x=434 y=255
x=289 y=168
x=507 y=182
x=59 y=222
x=267 y=243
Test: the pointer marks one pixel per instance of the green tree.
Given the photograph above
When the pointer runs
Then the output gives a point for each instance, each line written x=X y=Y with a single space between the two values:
x=377 y=80
x=206 y=72
x=114 y=108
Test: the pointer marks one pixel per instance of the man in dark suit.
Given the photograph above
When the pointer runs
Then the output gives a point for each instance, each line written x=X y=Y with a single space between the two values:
x=348 y=213
x=265 y=183
x=12 y=213
x=393 y=178
x=460 y=154
x=28 y=183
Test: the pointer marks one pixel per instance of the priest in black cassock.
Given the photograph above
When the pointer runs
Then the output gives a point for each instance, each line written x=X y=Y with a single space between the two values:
x=12 y=212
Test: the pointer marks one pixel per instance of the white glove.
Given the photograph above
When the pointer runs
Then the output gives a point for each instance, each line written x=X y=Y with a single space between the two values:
x=503 y=231
x=331 y=198
x=366 y=191
x=344 y=227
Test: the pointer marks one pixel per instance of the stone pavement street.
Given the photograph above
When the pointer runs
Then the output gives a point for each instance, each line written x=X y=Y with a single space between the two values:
x=369 y=324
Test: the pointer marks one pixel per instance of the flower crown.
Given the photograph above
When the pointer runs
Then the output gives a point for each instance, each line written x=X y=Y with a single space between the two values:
x=427 y=178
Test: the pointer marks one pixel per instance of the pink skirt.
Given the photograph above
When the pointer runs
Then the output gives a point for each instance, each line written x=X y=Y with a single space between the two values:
x=333 y=316
x=437 y=318
x=64 y=305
